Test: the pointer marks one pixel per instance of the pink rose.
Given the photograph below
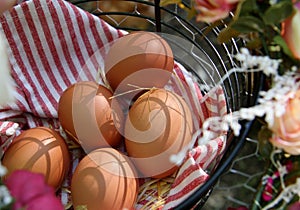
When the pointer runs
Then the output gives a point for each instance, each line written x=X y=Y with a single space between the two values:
x=294 y=206
x=291 y=31
x=212 y=10
x=30 y=191
x=286 y=128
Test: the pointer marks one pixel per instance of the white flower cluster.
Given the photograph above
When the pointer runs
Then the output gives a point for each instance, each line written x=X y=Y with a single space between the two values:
x=273 y=98
x=256 y=63
x=5 y=197
x=271 y=103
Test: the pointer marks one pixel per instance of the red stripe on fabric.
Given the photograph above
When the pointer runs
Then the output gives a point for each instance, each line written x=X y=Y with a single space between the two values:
x=204 y=109
x=179 y=73
x=49 y=88
x=22 y=106
x=72 y=33
x=93 y=27
x=15 y=52
x=120 y=34
x=63 y=42
x=7 y=126
x=203 y=112
x=107 y=32
x=188 y=95
x=8 y=114
x=215 y=152
x=214 y=103
x=218 y=102
x=33 y=64
x=189 y=187
x=52 y=47
x=183 y=175
x=207 y=156
x=83 y=33
x=199 y=153
x=20 y=62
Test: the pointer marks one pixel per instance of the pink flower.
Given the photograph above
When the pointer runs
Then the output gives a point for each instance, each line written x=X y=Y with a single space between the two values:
x=267 y=194
x=294 y=206
x=291 y=31
x=286 y=128
x=30 y=191
x=213 y=10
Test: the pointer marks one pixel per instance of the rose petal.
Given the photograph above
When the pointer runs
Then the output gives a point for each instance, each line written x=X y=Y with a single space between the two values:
x=293 y=149
x=291 y=32
x=25 y=185
x=213 y=10
x=45 y=202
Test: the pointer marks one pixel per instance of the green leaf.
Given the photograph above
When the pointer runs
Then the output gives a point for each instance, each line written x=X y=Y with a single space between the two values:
x=278 y=12
x=248 y=6
x=191 y=13
x=281 y=42
x=254 y=43
x=167 y=2
x=226 y=34
x=247 y=24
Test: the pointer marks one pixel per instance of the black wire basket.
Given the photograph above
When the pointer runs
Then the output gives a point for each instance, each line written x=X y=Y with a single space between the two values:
x=201 y=46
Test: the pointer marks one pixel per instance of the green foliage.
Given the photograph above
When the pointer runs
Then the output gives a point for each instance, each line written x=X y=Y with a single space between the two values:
x=265 y=147
x=247 y=24
x=281 y=42
x=276 y=13
x=164 y=3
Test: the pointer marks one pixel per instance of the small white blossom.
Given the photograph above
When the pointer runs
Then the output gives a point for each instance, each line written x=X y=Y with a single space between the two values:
x=247 y=113
x=224 y=126
x=3 y=170
x=269 y=117
x=5 y=197
x=236 y=127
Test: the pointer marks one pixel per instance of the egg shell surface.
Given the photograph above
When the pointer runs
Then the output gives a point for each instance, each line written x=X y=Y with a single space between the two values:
x=143 y=59
x=159 y=124
x=40 y=150
x=85 y=113
x=104 y=179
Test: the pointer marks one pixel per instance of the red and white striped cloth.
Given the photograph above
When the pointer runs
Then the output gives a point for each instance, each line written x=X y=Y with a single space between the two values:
x=53 y=44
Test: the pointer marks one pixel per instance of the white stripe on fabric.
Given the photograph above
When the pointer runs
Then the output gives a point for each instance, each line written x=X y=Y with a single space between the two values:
x=33 y=72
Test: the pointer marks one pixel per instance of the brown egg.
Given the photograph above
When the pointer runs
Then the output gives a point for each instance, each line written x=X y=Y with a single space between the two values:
x=85 y=113
x=7 y=4
x=40 y=150
x=159 y=124
x=142 y=59
x=104 y=179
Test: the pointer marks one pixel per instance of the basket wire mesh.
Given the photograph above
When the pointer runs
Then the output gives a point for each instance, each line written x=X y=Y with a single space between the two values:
x=201 y=54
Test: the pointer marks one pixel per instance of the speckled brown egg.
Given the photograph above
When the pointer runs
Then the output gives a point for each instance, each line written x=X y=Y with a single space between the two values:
x=85 y=113
x=40 y=150
x=159 y=125
x=104 y=179
x=138 y=59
